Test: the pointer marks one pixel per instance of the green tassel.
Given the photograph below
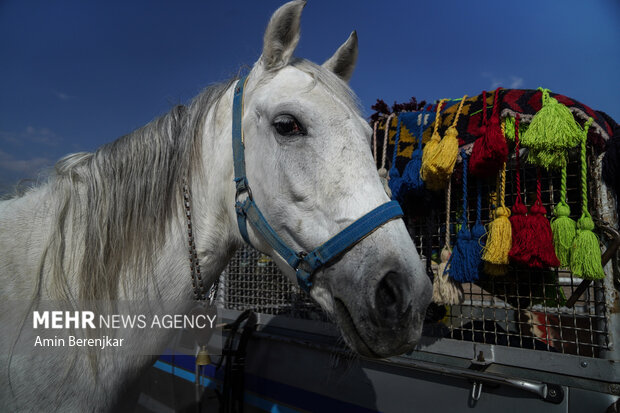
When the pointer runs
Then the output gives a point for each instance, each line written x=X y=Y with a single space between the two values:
x=585 y=261
x=548 y=159
x=586 y=257
x=551 y=133
x=562 y=226
x=509 y=128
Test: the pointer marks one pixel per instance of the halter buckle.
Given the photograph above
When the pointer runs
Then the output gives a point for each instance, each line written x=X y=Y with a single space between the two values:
x=242 y=186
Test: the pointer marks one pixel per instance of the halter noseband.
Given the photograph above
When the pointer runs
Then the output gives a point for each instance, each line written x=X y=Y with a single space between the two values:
x=304 y=264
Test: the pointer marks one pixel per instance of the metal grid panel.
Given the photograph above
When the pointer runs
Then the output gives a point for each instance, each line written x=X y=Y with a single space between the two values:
x=523 y=309
x=253 y=281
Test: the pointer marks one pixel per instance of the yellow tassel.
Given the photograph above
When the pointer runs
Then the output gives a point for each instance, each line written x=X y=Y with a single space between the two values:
x=441 y=156
x=447 y=151
x=431 y=148
x=499 y=241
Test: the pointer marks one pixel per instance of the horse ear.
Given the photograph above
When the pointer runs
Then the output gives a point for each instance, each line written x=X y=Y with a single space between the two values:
x=282 y=35
x=343 y=61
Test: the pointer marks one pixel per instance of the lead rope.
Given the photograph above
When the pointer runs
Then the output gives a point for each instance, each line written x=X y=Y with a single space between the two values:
x=200 y=295
x=194 y=264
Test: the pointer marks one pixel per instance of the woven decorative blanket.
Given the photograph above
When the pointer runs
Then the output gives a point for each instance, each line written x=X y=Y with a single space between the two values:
x=525 y=102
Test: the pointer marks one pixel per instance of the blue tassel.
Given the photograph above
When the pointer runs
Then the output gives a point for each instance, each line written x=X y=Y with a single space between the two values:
x=411 y=174
x=466 y=254
x=397 y=185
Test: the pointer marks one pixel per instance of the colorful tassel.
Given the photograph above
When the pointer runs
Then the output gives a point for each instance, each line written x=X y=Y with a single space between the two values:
x=520 y=251
x=411 y=173
x=538 y=234
x=499 y=240
x=532 y=240
x=490 y=150
x=431 y=147
x=441 y=157
x=463 y=262
x=445 y=290
x=585 y=261
x=552 y=132
x=383 y=173
x=397 y=184
x=508 y=127
x=562 y=226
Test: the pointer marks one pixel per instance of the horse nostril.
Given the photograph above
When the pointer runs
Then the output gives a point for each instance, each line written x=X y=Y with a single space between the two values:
x=390 y=296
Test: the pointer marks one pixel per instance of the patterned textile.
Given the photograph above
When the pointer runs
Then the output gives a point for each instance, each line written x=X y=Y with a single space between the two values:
x=525 y=102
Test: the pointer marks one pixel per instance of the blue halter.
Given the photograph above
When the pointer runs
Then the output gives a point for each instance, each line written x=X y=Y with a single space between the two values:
x=304 y=264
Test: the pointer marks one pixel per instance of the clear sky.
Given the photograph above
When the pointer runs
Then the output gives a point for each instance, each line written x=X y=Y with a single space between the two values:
x=77 y=74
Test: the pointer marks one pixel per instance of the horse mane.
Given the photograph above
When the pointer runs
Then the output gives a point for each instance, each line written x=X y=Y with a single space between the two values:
x=124 y=196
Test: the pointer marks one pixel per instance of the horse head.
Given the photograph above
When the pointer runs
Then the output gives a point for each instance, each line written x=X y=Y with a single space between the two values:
x=309 y=164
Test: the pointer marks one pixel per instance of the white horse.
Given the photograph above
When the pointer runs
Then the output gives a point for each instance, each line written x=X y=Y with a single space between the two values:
x=111 y=225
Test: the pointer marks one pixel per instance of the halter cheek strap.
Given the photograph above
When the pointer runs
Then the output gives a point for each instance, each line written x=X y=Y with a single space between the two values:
x=305 y=264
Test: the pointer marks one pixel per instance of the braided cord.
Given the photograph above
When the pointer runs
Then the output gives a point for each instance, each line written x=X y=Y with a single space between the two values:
x=437 y=115
x=447 y=237
x=385 y=140
x=458 y=111
x=538 y=187
x=396 y=140
x=584 y=170
x=517 y=155
x=374 y=140
x=465 y=157
x=495 y=105
x=563 y=187
x=502 y=187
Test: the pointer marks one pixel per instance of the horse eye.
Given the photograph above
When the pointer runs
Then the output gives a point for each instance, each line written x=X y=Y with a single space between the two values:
x=287 y=125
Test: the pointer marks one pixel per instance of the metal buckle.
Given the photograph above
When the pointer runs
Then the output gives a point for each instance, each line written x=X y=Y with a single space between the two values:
x=242 y=186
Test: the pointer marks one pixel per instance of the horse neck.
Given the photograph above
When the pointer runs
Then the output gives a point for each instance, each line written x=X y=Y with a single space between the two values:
x=213 y=219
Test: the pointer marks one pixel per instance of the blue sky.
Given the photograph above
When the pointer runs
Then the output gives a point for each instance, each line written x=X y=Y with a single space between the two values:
x=77 y=74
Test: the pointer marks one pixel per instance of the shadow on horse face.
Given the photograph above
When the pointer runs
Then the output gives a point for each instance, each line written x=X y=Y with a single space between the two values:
x=305 y=137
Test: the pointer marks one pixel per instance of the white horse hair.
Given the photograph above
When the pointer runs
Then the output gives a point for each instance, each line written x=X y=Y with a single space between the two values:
x=110 y=226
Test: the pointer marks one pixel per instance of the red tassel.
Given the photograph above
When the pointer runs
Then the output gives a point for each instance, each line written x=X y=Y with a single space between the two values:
x=520 y=252
x=490 y=151
x=537 y=235
x=543 y=253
